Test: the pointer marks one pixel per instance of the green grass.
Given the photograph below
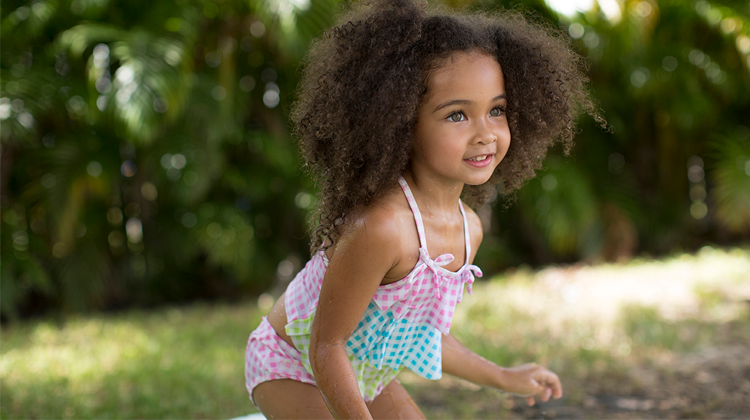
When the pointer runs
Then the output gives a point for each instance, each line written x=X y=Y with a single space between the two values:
x=170 y=363
x=592 y=325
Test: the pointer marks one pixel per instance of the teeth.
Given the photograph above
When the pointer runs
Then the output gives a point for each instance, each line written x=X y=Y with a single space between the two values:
x=479 y=158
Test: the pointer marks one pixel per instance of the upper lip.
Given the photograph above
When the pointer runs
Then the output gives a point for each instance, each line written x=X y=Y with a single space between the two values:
x=481 y=154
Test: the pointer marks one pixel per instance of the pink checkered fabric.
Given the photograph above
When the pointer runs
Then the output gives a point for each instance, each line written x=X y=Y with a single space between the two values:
x=268 y=357
x=401 y=327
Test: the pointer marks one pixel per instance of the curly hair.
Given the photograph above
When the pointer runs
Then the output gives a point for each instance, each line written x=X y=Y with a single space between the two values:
x=364 y=80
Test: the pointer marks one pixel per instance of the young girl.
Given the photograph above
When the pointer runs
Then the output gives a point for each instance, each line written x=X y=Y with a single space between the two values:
x=403 y=110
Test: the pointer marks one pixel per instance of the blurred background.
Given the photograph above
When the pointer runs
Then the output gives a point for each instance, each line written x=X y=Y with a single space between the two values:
x=153 y=207
x=146 y=154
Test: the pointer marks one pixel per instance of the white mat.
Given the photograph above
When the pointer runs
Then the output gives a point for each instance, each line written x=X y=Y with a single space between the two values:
x=254 y=416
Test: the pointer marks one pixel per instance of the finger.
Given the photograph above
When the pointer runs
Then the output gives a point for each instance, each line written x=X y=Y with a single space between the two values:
x=547 y=394
x=530 y=401
x=552 y=383
x=555 y=386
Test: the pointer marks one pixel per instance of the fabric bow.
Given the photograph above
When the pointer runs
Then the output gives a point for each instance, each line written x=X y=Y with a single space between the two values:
x=467 y=274
x=440 y=261
x=471 y=271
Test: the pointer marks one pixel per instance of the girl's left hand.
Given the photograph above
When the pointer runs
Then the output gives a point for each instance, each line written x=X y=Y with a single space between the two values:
x=530 y=380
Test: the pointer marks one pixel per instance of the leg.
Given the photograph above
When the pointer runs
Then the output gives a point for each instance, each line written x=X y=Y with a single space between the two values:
x=394 y=403
x=290 y=399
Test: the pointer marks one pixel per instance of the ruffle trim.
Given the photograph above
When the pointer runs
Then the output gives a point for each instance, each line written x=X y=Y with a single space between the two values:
x=381 y=341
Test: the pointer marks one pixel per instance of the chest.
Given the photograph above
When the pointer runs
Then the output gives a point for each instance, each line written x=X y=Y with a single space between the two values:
x=446 y=237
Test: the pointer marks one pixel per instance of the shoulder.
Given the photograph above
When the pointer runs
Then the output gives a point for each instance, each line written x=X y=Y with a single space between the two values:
x=475 y=228
x=382 y=229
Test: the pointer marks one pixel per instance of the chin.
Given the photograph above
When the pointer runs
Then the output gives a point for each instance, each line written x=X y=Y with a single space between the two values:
x=479 y=180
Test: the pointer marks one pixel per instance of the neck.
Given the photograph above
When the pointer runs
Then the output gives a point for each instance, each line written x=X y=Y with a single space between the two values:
x=436 y=193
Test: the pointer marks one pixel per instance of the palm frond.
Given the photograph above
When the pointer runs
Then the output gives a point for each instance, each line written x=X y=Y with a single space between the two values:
x=149 y=75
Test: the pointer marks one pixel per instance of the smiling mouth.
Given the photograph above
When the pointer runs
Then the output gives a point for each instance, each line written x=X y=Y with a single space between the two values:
x=479 y=158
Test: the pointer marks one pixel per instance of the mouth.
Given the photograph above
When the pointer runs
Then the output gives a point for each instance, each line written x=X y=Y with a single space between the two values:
x=479 y=161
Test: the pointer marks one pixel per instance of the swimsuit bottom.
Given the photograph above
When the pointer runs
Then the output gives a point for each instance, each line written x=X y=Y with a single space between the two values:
x=269 y=357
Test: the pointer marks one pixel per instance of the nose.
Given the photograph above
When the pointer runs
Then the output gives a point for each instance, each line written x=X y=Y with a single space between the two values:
x=485 y=133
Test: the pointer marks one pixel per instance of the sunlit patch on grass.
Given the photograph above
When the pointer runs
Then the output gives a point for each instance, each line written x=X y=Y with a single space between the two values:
x=184 y=363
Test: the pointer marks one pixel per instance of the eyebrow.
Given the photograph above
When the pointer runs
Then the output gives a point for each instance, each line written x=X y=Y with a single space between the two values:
x=464 y=102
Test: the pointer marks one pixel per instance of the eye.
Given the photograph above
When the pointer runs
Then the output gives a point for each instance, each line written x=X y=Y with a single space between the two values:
x=456 y=116
x=497 y=111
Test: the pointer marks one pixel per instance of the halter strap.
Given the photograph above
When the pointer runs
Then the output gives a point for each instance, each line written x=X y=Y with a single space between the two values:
x=420 y=224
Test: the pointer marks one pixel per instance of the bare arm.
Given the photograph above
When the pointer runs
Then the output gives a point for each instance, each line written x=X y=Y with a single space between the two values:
x=526 y=380
x=366 y=251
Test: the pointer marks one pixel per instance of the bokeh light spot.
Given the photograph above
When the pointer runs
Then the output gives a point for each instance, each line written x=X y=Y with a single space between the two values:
x=697 y=192
x=669 y=63
x=128 y=169
x=303 y=200
x=214 y=230
x=189 y=220
x=94 y=169
x=695 y=173
x=219 y=93
x=247 y=83
x=576 y=30
x=134 y=229
x=149 y=192
x=265 y=302
x=698 y=210
x=48 y=181
x=257 y=29
x=101 y=103
x=178 y=161
x=114 y=216
x=213 y=59
x=60 y=250
x=643 y=9
x=696 y=57
x=5 y=108
x=743 y=44
x=549 y=182
x=285 y=268
x=640 y=76
x=271 y=99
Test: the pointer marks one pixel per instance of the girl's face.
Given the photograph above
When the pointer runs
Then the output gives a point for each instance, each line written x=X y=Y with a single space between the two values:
x=462 y=131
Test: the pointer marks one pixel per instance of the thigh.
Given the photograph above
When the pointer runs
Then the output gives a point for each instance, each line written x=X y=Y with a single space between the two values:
x=394 y=403
x=290 y=399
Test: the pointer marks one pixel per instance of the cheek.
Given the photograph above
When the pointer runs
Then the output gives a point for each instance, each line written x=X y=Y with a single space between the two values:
x=438 y=145
x=503 y=141
x=448 y=151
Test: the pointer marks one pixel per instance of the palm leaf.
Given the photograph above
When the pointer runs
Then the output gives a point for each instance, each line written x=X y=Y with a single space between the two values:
x=145 y=70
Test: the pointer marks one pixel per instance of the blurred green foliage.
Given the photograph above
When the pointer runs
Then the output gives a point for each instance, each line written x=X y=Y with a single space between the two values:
x=673 y=80
x=146 y=154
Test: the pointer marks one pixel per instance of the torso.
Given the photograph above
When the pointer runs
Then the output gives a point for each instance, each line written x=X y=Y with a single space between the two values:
x=443 y=235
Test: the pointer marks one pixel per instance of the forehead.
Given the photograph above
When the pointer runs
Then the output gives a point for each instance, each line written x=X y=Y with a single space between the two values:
x=465 y=74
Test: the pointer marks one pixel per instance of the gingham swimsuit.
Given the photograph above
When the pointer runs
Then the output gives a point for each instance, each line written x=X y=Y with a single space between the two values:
x=404 y=322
